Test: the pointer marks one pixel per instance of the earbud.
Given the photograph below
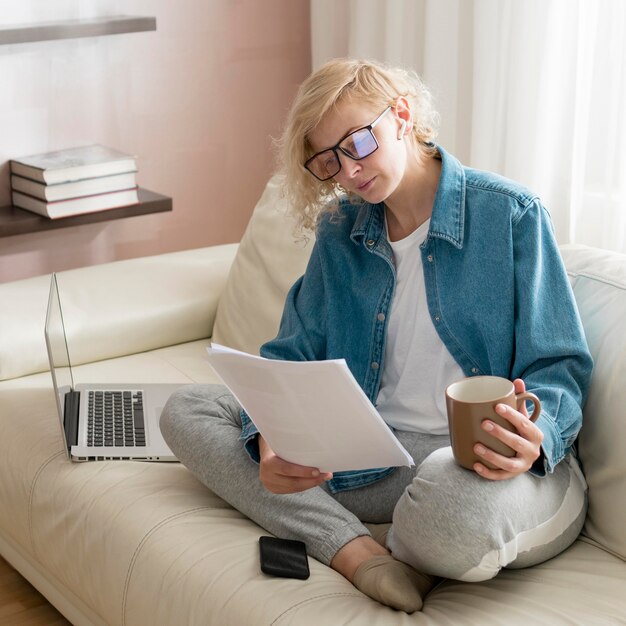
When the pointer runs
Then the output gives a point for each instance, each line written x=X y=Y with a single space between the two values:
x=402 y=129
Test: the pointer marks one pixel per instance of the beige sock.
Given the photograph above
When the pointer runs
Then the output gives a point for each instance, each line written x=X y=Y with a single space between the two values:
x=392 y=583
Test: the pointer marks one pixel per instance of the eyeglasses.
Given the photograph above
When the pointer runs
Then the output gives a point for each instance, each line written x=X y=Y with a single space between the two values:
x=356 y=145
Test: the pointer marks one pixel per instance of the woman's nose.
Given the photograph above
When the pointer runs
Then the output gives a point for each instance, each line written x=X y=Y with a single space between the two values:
x=349 y=167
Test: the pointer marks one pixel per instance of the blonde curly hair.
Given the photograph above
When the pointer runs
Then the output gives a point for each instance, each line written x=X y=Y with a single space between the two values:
x=362 y=80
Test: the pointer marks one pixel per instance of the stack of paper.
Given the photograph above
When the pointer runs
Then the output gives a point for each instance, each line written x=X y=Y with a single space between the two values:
x=313 y=413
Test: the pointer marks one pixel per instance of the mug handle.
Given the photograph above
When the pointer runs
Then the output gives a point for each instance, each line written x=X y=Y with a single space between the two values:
x=520 y=398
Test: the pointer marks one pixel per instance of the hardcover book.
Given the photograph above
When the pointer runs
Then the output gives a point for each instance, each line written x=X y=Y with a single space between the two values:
x=77 y=189
x=76 y=206
x=73 y=164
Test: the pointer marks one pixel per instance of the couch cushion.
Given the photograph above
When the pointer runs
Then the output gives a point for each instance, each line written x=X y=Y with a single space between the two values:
x=115 y=309
x=599 y=282
x=268 y=262
x=219 y=582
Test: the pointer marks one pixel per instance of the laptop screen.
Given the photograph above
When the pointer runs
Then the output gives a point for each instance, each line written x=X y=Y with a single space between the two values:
x=58 y=354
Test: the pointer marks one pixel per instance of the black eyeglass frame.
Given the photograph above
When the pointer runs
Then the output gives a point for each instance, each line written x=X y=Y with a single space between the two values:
x=337 y=147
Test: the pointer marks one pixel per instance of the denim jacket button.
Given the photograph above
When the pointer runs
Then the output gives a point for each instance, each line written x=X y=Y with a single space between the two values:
x=381 y=317
x=437 y=318
x=430 y=258
x=474 y=370
x=370 y=242
x=375 y=365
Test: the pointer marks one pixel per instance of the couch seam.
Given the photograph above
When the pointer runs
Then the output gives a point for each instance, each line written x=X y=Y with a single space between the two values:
x=140 y=546
x=596 y=544
x=30 y=500
x=597 y=278
x=320 y=597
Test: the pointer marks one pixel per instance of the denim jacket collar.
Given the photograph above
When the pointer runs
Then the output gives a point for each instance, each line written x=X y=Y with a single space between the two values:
x=448 y=217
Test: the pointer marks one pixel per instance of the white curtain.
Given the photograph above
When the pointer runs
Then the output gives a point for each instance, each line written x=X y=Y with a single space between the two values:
x=532 y=89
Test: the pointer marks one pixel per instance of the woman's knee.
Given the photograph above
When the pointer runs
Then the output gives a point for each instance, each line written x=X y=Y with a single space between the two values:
x=174 y=409
x=443 y=524
x=191 y=403
x=452 y=522
x=173 y=412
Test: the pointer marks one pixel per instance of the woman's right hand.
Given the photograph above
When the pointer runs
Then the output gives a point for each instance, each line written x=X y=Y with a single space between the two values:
x=280 y=476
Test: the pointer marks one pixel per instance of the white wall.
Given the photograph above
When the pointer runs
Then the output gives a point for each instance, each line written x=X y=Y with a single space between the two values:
x=196 y=100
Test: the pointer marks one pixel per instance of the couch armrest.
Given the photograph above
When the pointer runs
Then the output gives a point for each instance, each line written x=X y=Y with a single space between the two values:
x=599 y=282
x=115 y=309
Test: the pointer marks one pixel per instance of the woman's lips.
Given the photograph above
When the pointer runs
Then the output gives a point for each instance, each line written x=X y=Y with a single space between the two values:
x=366 y=185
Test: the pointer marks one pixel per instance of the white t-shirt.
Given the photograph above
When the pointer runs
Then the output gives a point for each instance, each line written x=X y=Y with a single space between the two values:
x=418 y=366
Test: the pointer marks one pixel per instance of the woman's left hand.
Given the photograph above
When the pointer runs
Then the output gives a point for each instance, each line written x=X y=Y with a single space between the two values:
x=526 y=442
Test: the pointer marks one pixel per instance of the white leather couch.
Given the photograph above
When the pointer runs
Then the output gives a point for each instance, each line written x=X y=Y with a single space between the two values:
x=140 y=544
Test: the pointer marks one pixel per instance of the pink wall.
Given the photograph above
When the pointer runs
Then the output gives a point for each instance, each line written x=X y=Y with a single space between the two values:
x=197 y=101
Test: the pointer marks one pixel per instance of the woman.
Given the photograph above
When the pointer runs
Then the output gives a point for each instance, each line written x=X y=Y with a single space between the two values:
x=423 y=272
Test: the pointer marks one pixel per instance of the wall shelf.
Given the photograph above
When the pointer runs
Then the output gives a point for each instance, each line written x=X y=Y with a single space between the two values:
x=14 y=221
x=71 y=29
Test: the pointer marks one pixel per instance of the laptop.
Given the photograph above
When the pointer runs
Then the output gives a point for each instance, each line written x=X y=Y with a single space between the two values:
x=102 y=422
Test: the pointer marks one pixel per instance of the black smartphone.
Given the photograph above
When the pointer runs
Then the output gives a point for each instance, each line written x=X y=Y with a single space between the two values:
x=284 y=557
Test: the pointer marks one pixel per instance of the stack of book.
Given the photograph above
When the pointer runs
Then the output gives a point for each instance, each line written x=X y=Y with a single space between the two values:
x=74 y=181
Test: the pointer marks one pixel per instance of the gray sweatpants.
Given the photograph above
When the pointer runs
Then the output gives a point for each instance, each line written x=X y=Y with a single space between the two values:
x=447 y=521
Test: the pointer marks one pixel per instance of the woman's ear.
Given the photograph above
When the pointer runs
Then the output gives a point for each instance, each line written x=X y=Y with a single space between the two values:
x=402 y=110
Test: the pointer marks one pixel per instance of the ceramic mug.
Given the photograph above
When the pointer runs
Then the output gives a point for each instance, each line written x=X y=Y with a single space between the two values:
x=472 y=400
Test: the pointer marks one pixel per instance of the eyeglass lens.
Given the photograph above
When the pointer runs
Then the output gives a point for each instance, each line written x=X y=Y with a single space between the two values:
x=359 y=144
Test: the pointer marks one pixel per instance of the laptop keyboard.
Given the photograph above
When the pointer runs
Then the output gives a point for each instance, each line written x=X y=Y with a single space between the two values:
x=115 y=418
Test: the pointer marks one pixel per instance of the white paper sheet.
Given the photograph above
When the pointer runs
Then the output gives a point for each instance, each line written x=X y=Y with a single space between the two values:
x=310 y=412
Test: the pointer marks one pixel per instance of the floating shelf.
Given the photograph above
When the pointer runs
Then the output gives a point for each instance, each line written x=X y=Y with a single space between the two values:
x=71 y=29
x=14 y=221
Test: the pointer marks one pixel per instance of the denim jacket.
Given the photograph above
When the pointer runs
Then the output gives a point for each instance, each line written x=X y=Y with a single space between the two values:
x=497 y=293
